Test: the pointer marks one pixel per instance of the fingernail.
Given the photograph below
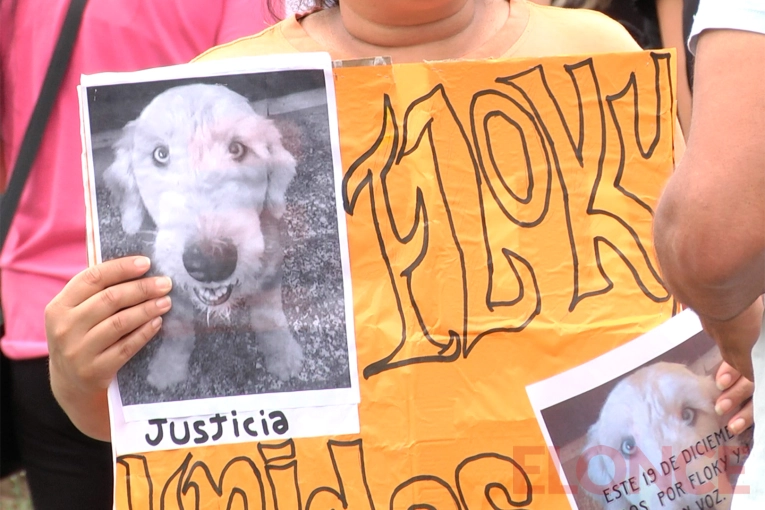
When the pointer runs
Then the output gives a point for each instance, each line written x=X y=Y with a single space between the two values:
x=164 y=283
x=142 y=262
x=163 y=303
x=723 y=406
x=737 y=426
x=723 y=382
x=156 y=323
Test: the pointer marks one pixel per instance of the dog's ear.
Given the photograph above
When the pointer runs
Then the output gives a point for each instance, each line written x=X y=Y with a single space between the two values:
x=120 y=181
x=281 y=171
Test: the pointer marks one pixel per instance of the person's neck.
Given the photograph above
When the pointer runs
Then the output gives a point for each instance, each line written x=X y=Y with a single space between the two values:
x=436 y=32
x=379 y=28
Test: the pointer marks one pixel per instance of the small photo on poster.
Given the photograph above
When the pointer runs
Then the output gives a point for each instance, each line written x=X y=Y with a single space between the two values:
x=225 y=175
x=636 y=429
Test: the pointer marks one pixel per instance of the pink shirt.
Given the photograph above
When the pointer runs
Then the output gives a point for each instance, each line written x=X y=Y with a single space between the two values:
x=46 y=245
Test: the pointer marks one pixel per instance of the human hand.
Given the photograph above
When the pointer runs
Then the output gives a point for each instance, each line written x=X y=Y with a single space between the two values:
x=102 y=317
x=736 y=337
x=736 y=390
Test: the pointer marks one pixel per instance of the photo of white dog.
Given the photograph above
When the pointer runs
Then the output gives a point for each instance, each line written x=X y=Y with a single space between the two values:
x=227 y=184
x=211 y=175
x=636 y=427
x=663 y=416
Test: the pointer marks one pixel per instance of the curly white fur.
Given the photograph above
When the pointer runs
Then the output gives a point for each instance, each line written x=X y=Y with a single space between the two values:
x=649 y=420
x=211 y=175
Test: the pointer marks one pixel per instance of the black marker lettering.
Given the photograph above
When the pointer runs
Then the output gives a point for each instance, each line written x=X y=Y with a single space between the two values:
x=160 y=433
x=265 y=425
x=199 y=429
x=280 y=426
x=236 y=423
x=186 y=433
x=247 y=424
x=220 y=420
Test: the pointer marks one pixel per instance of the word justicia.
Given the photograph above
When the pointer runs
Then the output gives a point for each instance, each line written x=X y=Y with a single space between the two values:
x=201 y=431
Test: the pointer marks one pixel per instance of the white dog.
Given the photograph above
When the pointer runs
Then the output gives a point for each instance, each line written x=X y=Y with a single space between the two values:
x=661 y=417
x=209 y=176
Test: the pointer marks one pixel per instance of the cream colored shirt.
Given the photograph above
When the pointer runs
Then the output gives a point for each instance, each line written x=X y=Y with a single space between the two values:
x=548 y=31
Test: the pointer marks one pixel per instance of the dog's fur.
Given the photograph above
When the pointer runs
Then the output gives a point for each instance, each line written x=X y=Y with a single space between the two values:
x=659 y=410
x=201 y=169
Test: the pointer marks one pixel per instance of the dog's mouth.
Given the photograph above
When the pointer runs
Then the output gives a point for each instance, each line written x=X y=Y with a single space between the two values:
x=214 y=296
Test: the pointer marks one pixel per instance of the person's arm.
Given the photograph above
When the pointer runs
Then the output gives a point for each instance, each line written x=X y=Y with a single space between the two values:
x=97 y=323
x=670 y=14
x=710 y=223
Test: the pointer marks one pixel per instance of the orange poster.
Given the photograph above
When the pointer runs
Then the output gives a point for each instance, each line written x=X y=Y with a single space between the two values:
x=498 y=221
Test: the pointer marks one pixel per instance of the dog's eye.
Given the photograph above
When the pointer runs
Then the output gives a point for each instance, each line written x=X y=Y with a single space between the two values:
x=237 y=150
x=629 y=447
x=161 y=155
x=689 y=416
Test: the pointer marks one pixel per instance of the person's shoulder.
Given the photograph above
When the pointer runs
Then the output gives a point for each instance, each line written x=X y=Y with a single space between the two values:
x=579 y=30
x=732 y=8
x=268 y=42
x=587 y=27
x=744 y=15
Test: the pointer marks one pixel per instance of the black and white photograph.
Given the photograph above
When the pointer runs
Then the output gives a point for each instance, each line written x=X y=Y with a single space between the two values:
x=637 y=427
x=227 y=182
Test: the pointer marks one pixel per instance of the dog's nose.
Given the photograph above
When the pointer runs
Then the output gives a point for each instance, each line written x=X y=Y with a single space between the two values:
x=210 y=260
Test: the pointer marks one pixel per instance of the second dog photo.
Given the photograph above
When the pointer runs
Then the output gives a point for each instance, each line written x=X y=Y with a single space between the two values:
x=228 y=184
x=650 y=437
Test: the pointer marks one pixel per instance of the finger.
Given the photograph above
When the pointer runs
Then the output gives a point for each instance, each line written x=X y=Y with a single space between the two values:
x=114 y=328
x=740 y=364
x=726 y=376
x=745 y=367
x=106 y=303
x=96 y=278
x=742 y=420
x=737 y=394
x=120 y=352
